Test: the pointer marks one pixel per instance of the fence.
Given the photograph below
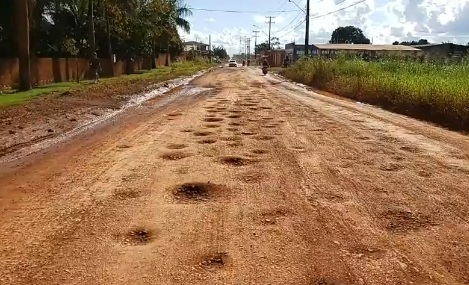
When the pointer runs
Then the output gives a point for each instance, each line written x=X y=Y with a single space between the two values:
x=53 y=70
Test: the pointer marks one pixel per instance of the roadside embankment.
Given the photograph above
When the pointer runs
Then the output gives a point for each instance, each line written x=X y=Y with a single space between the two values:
x=48 y=111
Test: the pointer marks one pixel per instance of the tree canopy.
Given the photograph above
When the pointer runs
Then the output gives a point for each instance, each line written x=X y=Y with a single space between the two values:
x=411 y=43
x=262 y=47
x=60 y=28
x=348 y=35
x=220 y=52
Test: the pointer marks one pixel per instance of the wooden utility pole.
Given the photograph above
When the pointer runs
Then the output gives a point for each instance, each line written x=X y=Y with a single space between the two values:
x=255 y=43
x=307 y=28
x=270 y=27
x=22 y=14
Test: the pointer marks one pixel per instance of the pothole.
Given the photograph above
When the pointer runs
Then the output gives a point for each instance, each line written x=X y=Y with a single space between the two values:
x=210 y=115
x=232 y=129
x=265 y=138
x=248 y=133
x=390 y=166
x=202 y=134
x=124 y=194
x=197 y=191
x=398 y=220
x=234 y=116
x=213 y=119
x=176 y=146
x=212 y=126
x=175 y=155
x=235 y=160
x=252 y=177
x=266 y=108
x=174 y=114
x=230 y=138
x=259 y=151
x=411 y=149
x=186 y=130
x=207 y=141
x=235 y=124
x=215 y=260
x=269 y=126
x=235 y=111
x=235 y=144
x=212 y=111
x=139 y=236
x=123 y=146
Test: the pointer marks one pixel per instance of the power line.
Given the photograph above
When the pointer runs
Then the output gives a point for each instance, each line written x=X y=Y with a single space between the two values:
x=241 y=11
x=338 y=10
x=289 y=24
x=323 y=15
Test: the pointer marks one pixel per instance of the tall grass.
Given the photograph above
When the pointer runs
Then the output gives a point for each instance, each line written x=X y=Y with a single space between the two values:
x=433 y=91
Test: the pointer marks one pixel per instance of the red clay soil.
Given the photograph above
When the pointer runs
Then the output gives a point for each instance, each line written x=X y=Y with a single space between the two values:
x=49 y=116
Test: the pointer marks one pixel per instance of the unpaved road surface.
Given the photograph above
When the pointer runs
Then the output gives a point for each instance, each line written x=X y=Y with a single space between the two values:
x=256 y=181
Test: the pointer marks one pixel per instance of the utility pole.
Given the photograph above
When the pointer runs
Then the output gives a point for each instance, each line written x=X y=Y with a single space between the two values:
x=240 y=45
x=307 y=28
x=270 y=26
x=210 y=47
x=255 y=44
x=249 y=48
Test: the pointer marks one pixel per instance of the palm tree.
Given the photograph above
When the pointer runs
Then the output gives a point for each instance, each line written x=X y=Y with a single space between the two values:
x=181 y=12
x=22 y=20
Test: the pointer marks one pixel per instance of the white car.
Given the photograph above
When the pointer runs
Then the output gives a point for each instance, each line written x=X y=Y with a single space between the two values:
x=232 y=63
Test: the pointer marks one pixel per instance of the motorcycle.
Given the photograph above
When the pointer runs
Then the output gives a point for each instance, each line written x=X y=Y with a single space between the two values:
x=244 y=63
x=264 y=70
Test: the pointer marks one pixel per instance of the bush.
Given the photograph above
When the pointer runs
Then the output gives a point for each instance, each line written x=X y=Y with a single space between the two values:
x=434 y=91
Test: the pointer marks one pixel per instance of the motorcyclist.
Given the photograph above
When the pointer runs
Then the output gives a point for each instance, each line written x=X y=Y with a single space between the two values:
x=244 y=62
x=265 y=63
x=249 y=62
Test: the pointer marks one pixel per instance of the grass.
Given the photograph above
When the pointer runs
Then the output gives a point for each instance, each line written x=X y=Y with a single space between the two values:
x=432 y=91
x=15 y=97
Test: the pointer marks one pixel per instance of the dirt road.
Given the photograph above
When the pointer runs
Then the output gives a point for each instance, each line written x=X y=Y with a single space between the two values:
x=256 y=181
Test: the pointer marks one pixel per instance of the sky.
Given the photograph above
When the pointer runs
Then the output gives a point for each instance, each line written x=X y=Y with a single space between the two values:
x=382 y=21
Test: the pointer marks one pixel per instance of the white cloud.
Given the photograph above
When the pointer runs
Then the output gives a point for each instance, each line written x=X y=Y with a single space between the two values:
x=210 y=20
x=384 y=21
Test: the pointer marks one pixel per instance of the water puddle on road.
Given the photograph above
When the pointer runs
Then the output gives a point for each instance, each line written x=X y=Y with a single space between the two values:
x=135 y=101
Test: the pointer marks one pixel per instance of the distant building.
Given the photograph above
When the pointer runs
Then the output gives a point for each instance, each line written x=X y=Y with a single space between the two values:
x=370 y=50
x=294 y=51
x=443 y=50
x=194 y=45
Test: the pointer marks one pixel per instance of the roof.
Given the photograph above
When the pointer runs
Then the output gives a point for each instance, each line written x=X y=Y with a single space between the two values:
x=434 y=45
x=364 y=47
x=195 y=43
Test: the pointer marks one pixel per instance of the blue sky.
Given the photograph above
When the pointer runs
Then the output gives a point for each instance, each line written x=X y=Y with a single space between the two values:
x=384 y=21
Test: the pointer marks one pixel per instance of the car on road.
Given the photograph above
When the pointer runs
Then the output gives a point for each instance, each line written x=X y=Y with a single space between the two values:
x=232 y=63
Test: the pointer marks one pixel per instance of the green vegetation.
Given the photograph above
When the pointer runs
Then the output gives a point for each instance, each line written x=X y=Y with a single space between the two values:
x=431 y=91
x=14 y=97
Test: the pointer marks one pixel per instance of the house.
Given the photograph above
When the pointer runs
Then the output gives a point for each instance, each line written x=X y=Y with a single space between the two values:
x=370 y=50
x=194 y=45
x=294 y=51
x=274 y=57
x=443 y=50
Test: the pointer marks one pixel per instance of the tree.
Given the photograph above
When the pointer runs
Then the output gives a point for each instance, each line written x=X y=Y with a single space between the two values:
x=264 y=47
x=220 y=52
x=22 y=21
x=348 y=35
x=412 y=43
